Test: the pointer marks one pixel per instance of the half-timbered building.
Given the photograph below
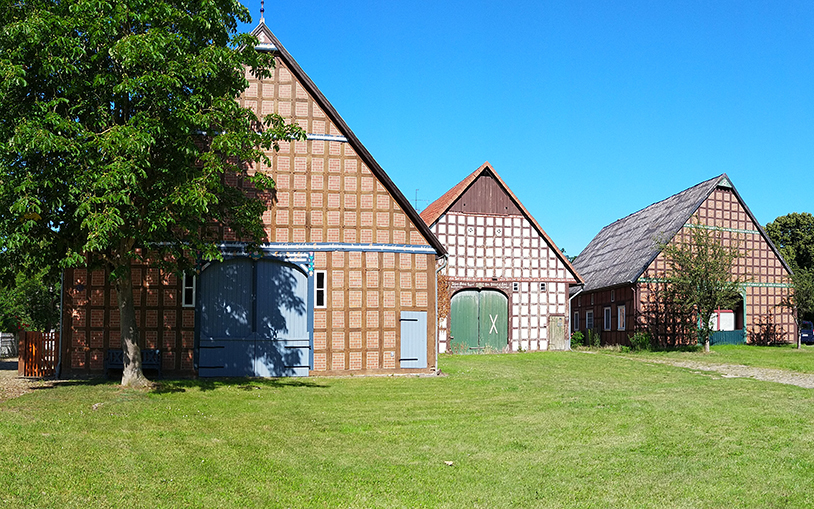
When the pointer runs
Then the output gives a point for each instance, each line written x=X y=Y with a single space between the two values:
x=505 y=284
x=624 y=265
x=345 y=284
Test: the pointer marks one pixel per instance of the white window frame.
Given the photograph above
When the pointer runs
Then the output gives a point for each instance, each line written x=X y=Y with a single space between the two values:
x=515 y=287
x=189 y=303
x=589 y=319
x=542 y=287
x=320 y=289
x=575 y=324
x=608 y=316
x=620 y=317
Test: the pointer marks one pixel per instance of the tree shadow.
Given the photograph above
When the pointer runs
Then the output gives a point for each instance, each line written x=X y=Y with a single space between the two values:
x=253 y=320
x=212 y=384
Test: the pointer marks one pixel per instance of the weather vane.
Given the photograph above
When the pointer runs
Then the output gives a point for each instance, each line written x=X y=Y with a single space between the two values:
x=262 y=10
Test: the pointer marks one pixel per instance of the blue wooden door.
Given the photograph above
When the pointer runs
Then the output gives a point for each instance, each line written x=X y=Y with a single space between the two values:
x=253 y=320
x=226 y=308
x=413 y=339
x=283 y=343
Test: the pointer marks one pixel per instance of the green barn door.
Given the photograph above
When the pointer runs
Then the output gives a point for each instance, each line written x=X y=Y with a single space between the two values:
x=494 y=321
x=464 y=326
x=479 y=321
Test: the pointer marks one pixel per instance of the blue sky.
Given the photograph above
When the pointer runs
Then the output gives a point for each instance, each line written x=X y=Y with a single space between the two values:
x=589 y=111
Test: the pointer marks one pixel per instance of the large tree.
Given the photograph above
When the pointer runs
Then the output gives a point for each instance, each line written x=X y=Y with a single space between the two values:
x=793 y=234
x=120 y=135
x=29 y=301
x=701 y=276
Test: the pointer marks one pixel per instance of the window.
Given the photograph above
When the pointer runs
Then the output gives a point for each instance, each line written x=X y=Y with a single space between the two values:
x=592 y=299
x=319 y=288
x=542 y=287
x=613 y=295
x=589 y=320
x=620 y=317
x=190 y=283
x=575 y=324
x=579 y=301
x=516 y=287
x=606 y=323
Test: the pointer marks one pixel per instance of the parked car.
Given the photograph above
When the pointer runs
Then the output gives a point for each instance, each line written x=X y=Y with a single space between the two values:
x=806 y=333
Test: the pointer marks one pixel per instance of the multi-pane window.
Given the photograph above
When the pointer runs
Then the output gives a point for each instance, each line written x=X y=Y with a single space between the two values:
x=620 y=317
x=320 y=284
x=575 y=323
x=606 y=323
x=589 y=320
x=190 y=286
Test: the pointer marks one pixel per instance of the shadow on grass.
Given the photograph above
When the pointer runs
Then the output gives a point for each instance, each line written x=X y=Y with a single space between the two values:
x=211 y=384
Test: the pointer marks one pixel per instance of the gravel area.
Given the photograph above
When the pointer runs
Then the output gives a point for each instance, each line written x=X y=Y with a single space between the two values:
x=781 y=376
x=12 y=385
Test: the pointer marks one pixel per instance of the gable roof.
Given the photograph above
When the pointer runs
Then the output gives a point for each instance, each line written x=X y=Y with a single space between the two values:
x=439 y=207
x=622 y=251
x=268 y=42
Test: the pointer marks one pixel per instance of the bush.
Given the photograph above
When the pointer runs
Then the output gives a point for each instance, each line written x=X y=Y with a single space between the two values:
x=577 y=339
x=640 y=341
x=593 y=338
x=766 y=332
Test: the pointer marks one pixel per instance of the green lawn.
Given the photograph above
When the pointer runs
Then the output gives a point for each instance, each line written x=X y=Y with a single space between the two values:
x=562 y=429
x=778 y=357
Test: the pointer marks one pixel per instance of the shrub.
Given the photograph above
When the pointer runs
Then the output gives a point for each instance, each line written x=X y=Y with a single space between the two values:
x=640 y=340
x=577 y=339
x=766 y=332
x=593 y=338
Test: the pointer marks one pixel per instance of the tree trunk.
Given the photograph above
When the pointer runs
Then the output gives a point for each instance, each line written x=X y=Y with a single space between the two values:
x=132 y=376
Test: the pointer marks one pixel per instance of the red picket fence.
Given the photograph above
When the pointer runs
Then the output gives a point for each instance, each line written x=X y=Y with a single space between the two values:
x=38 y=354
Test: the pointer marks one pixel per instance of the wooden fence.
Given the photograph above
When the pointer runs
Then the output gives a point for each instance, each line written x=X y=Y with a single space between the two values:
x=730 y=337
x=38 y=353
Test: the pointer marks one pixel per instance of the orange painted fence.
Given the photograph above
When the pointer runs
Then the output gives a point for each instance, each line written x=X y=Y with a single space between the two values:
x=38 y=353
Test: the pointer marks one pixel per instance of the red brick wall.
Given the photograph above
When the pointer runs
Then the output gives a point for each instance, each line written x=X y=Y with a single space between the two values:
x=91 y=320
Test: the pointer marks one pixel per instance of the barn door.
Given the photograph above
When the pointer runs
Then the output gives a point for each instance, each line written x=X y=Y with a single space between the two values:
x=253 y=320
x=226 y=345
x=479 y=321
x=283 y=343
x=413 y=339
x=464 y=317
x=556 y=333
x=493 y=321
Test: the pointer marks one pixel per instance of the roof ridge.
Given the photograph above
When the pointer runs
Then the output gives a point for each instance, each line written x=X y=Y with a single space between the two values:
x=665 y=199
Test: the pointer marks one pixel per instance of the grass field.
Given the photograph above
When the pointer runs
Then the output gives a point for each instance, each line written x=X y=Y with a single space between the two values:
x=777 y=357
x=559 y=429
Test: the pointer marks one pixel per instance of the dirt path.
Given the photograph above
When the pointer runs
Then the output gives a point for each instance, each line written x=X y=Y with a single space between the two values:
x=781 y=376
x=12 y=385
